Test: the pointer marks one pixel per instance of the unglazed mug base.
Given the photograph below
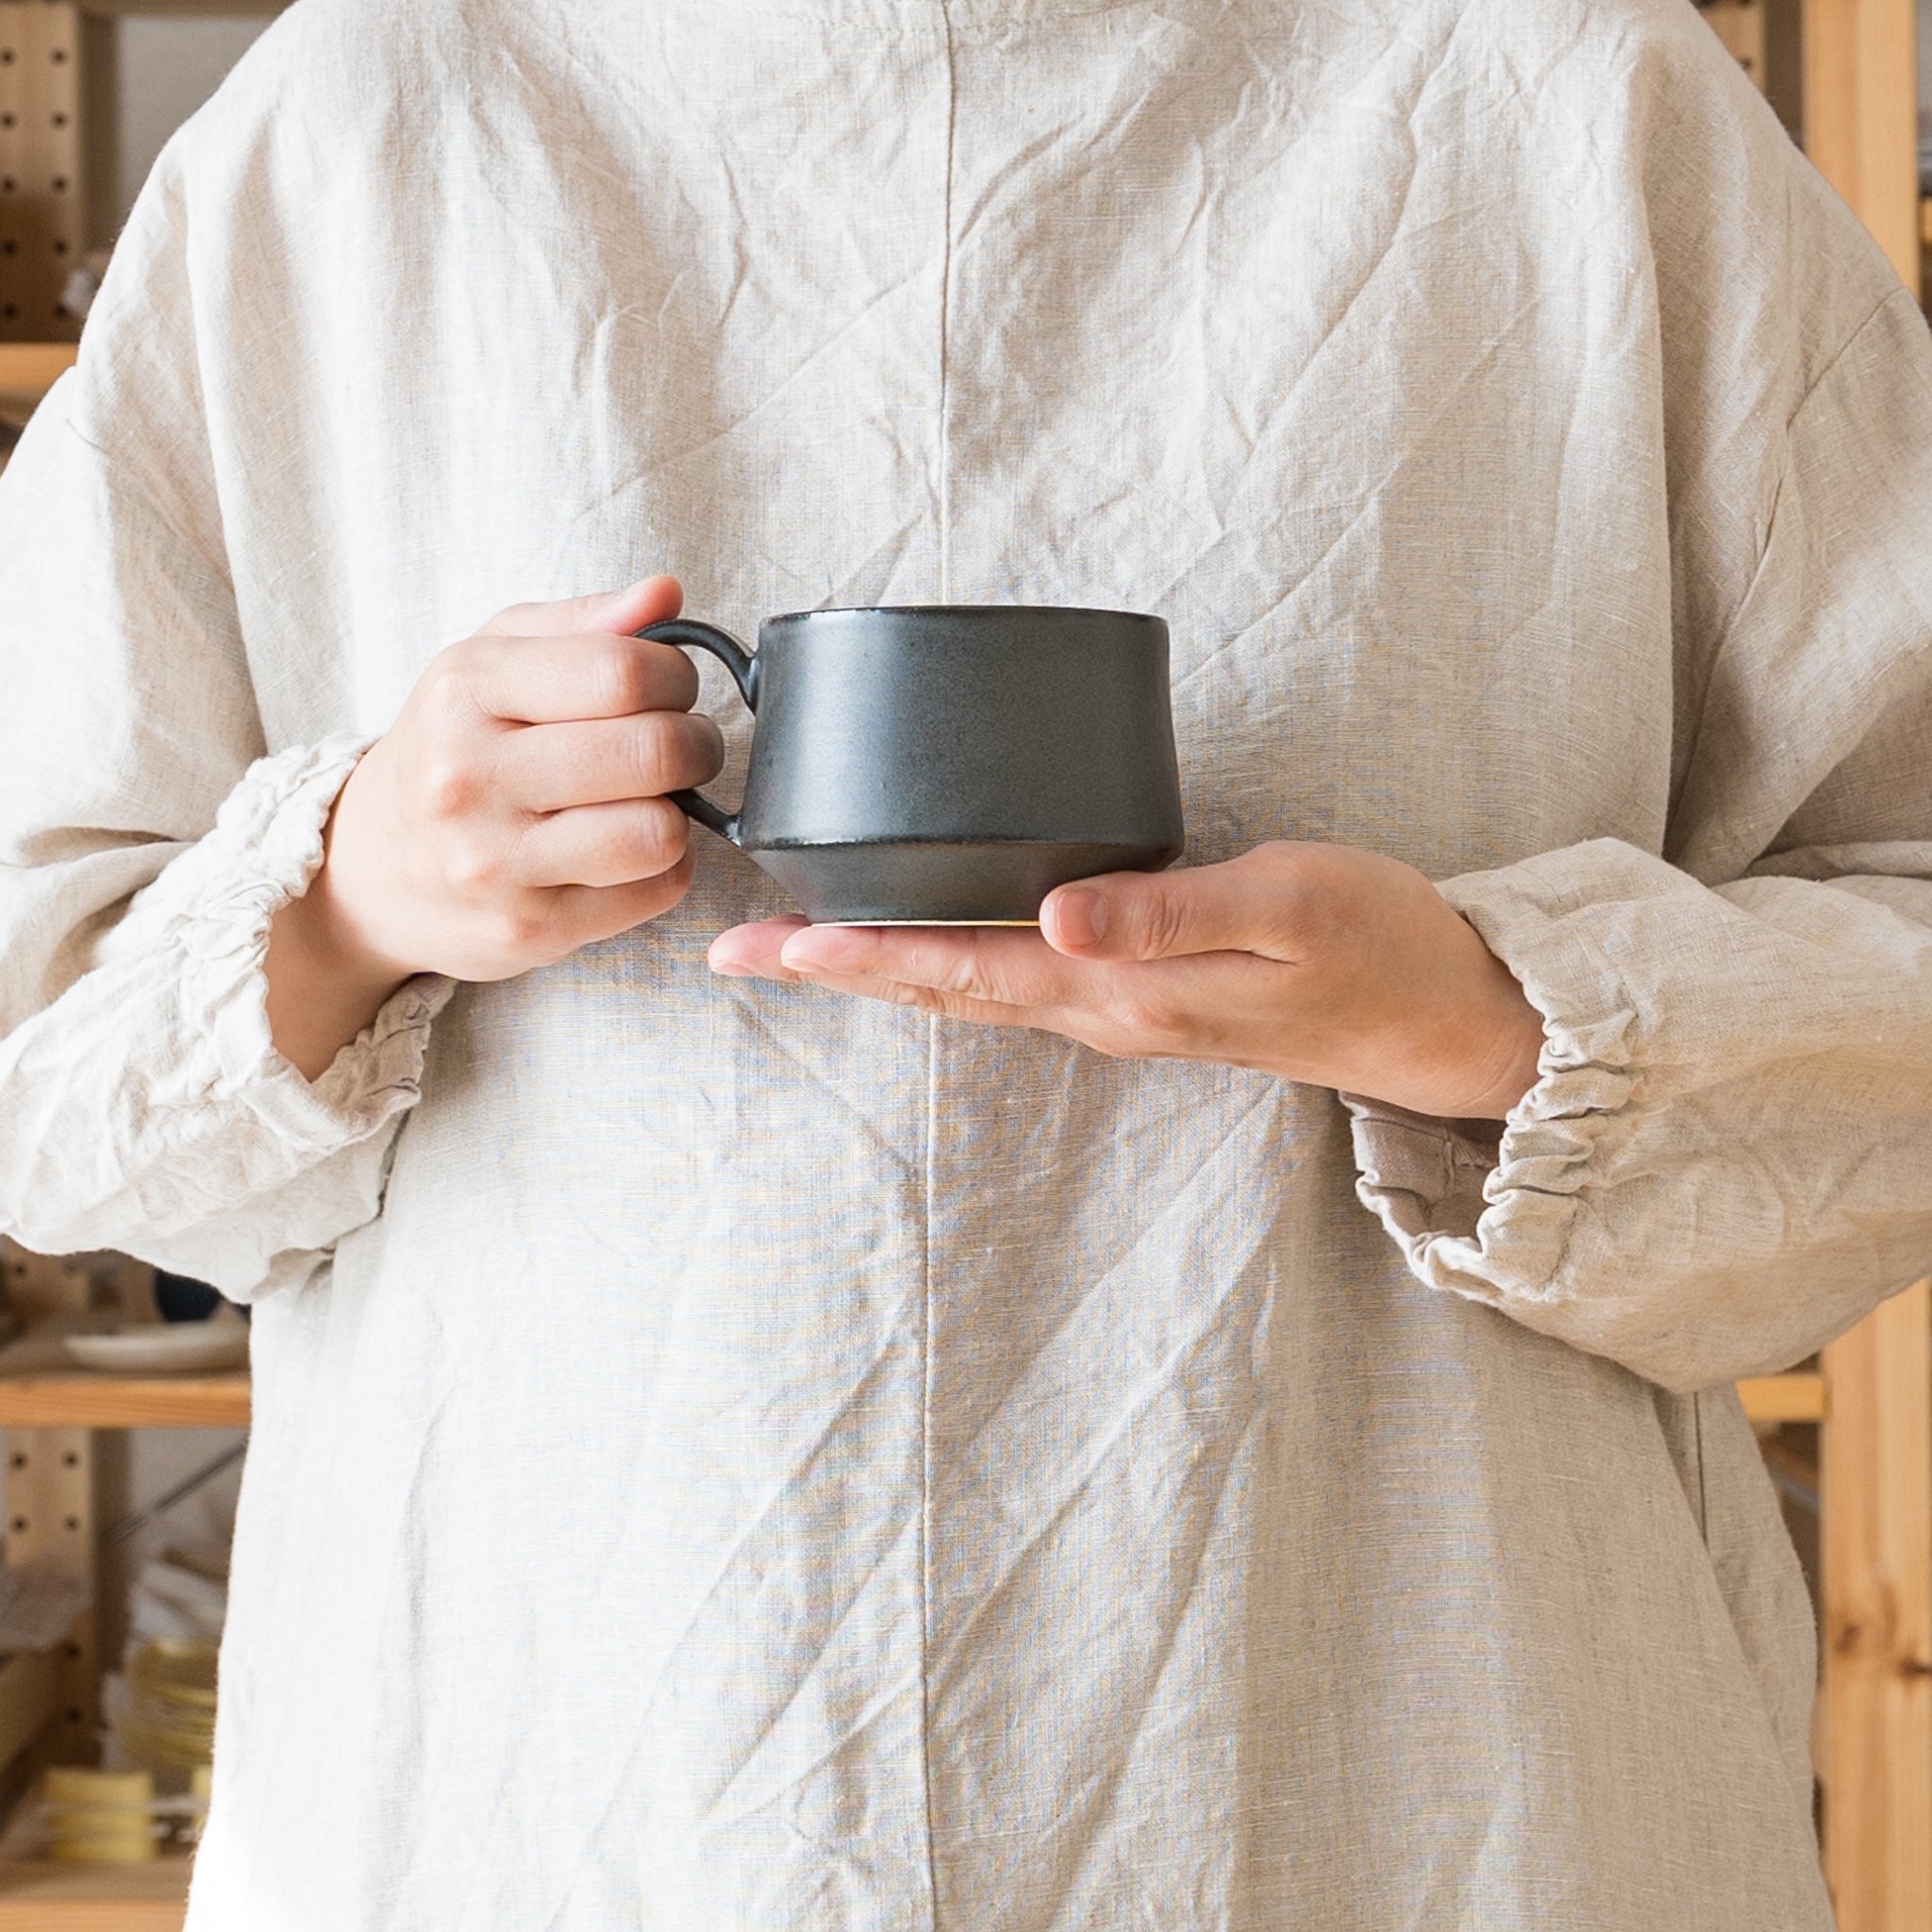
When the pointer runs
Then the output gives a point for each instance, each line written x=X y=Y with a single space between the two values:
x=940 y=881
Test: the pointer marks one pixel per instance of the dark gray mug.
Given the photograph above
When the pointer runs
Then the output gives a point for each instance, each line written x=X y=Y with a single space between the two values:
x=948 y=764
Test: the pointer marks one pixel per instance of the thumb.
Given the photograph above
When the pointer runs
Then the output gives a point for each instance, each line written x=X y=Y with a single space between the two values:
x=1138 y=915
x=650 y=600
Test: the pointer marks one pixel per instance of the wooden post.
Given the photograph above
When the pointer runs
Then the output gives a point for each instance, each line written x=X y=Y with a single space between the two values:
x=41 y=198
x=49 y=1496
x=1861 y=131
x=1877 y=1514
x=1861 y=115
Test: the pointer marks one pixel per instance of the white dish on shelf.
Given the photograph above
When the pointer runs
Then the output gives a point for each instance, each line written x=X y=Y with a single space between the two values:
x=159 y=1347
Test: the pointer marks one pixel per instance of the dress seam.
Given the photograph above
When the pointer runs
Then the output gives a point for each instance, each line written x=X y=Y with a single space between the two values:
x=945 y=296
x=925 y=1633
x=932 y=1055
x=1703 y=1491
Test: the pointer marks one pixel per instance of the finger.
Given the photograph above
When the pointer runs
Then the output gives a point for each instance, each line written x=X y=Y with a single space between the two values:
x=754 y=951
x=550 y=680
x=650 y=600
x=602 y=844
x=1243 y=905
x=592 y=761
x=1007 y=968
x=751 y=950
x=598 y=912
x=1196 y=1009
x=947 y=1005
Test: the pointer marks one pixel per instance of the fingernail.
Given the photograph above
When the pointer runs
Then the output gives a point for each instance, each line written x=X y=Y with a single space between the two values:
x=1081 y=917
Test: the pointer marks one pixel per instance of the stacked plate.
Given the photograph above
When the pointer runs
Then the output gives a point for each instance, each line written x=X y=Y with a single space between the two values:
x=171 y=1701
x=143 y=1348
x=99 y=1817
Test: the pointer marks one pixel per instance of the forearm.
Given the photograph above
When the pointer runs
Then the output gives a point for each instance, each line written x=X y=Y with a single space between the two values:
x=144 y=1110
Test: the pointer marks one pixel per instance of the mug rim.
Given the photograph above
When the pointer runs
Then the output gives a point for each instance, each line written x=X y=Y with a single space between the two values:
x=960 y=610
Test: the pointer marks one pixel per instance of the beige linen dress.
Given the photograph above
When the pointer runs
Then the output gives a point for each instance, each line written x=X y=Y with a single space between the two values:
x=732 y=1458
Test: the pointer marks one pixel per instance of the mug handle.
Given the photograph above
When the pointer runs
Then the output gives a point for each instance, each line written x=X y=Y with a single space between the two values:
x=743 y=668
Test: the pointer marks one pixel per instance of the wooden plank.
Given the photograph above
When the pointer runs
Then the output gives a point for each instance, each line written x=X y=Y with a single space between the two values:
x=42 y=209
x=1876 y=1483
x=1798 y=1398
x=182 y=8
x=1861 y=116
x=28 y=1913
x=83 y=1399
x=41 y=1895
x=31 y=367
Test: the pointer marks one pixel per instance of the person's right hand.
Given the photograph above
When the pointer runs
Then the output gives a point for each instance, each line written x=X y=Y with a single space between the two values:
x=515 y=811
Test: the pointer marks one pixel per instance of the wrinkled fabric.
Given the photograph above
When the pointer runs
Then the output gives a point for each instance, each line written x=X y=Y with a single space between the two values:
x=731 y=1457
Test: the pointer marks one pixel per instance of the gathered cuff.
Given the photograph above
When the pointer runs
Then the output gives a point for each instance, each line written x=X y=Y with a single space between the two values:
x=1494 y=1215
x=1714 y=1171
x=213 y=906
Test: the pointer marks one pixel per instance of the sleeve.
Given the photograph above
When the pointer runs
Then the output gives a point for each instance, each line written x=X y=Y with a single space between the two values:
x=1726 y=1158
x=147 y=838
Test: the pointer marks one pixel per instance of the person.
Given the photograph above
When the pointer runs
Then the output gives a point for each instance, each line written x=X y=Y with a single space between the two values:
x=1214 y=1413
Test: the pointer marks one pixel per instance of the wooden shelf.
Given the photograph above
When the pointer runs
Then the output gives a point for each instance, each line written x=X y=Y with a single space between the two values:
x=180 y=8
x=31 y=367
x=1795 y=1398
x=41 y=1389
x=41 y=1895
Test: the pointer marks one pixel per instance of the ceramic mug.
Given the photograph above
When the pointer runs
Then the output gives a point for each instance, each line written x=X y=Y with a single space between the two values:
x=948 y=764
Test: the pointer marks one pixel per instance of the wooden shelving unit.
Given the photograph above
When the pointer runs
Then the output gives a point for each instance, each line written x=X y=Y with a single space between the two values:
x=49 y=1701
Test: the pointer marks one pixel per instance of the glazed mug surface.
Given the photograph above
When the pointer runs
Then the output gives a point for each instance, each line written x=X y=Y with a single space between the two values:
x=947 y=764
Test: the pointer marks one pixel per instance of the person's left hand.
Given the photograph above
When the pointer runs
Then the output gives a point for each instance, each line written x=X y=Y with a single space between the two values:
x=1319 y=963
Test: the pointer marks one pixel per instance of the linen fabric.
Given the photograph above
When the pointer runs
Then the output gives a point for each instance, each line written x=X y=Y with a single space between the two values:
x=726 y=1455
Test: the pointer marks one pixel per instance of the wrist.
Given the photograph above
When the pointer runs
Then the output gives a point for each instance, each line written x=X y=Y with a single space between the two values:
x=327 y=981
x=343 y=913
x=1509 y=1064
x=332 y=955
